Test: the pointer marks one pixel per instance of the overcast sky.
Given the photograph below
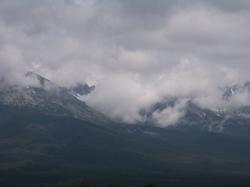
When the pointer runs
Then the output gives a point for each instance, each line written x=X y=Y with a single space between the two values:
x=136 y=52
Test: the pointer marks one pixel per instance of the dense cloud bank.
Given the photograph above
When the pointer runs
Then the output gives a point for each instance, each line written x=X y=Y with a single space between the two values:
x=136 y=52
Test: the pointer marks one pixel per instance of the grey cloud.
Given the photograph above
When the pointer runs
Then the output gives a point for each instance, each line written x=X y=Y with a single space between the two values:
x=170 y=115
x=135 y=52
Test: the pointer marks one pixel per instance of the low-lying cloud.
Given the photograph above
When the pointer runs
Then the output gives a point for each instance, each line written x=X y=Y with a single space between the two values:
x=170 y=115
x=136 y=52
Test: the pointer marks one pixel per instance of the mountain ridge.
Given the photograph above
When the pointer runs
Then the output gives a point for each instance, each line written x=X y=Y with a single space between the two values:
x=47 y=96
x=49 y=139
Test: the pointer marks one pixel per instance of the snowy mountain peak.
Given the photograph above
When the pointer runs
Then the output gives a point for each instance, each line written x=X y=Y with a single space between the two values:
x=37 y=80
x=81 y=89
x=43 y=95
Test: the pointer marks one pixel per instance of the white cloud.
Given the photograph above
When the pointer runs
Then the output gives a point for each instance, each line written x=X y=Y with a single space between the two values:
x=136 y=52
x=171 y=115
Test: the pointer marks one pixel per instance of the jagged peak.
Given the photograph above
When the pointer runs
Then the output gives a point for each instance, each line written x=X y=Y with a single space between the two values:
x=81 y=89
x=40 y=80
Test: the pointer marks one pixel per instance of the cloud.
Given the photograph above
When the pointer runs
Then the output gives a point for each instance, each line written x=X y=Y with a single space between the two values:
x=122 y=96
x=170 y=115
x=136 y=52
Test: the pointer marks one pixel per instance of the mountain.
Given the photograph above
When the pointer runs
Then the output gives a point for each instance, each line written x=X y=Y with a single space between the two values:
x=81 y=89
x=233 y=119
x=46 y=97
x=49 y=136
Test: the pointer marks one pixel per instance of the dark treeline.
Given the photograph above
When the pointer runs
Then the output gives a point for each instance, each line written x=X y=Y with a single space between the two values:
x=179 y=184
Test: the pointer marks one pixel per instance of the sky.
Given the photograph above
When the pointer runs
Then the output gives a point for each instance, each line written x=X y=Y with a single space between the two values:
x=136 y=52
